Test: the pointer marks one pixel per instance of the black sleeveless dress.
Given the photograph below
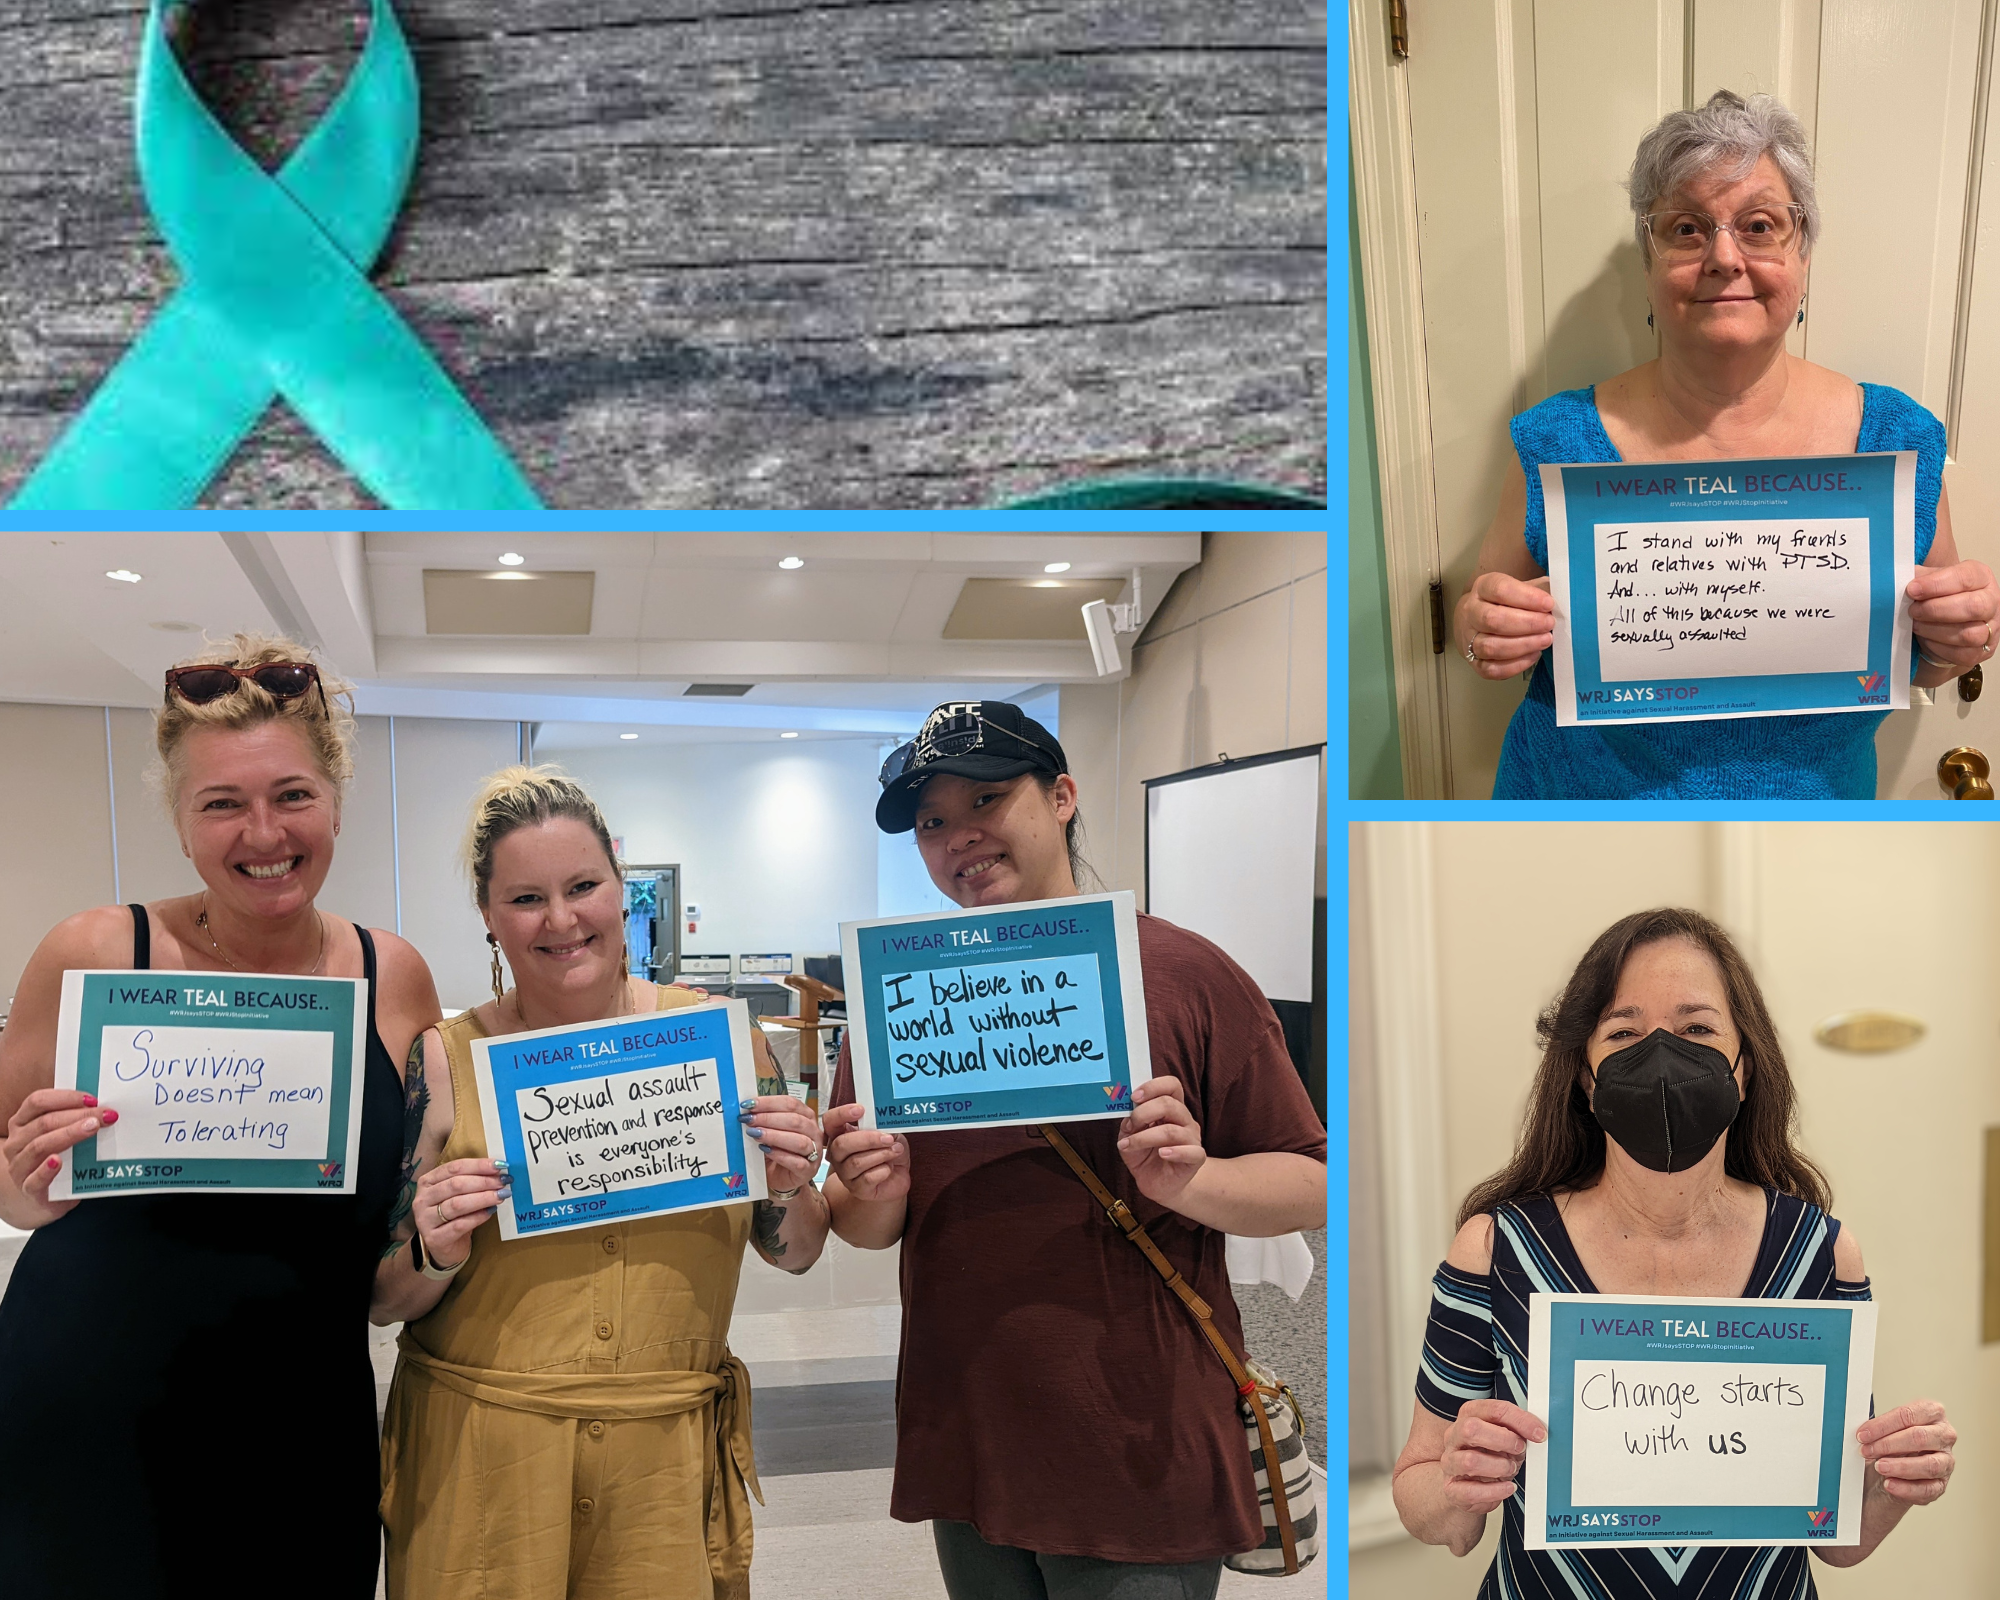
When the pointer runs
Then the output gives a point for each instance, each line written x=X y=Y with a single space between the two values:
x=186 y=1399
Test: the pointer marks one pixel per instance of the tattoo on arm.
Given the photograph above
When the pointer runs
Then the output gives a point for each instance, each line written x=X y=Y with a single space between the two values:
x=767 y=1218
x=416 y=1101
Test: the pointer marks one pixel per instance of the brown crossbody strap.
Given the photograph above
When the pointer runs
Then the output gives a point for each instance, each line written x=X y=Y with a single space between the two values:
x=1246 y=1386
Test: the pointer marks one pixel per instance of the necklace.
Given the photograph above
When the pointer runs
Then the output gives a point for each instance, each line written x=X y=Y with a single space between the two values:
x=201 y=922
x=627 y=1009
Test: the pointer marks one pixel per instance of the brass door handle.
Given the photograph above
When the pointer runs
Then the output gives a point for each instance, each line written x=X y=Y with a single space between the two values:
x=1963 y=774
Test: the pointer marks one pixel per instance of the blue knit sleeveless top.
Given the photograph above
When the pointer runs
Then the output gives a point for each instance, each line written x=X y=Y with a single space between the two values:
x=1751 y=758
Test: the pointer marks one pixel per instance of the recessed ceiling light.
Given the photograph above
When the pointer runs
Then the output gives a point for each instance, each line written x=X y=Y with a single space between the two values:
x=788 y=736
x=628 y=736
x=512 y=559
x=1057 y=566
x=792 y=563
x=122 y=575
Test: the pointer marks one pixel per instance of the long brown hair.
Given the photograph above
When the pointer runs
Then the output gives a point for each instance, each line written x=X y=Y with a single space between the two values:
x=1561 y=1145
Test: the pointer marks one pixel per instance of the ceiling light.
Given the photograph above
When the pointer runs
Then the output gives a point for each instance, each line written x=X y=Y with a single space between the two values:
x=628 y=736
x=792 y=563
x=788 y=736
x=512 y=559
x=122 y=575
x=1057 y=566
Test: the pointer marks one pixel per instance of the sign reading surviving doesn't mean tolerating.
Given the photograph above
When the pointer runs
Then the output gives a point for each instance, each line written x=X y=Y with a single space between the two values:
x=632 y=1117
x=221 y=1080
x=1684 y=1422
x=1011 y=1014
x=1691 y=590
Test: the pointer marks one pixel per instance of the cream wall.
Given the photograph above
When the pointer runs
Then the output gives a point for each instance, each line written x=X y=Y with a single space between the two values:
x=60 y=853
x=1834 y=916
x=1233 y=660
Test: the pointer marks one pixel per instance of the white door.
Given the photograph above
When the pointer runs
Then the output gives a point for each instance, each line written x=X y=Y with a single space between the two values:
x=1499 y=268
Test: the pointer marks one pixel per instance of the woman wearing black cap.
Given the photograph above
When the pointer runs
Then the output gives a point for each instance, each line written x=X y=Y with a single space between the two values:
x=1059 y=1421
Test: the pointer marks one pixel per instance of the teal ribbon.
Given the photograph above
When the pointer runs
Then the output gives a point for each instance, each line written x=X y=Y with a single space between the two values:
x=1167 y=494
x=275 y=304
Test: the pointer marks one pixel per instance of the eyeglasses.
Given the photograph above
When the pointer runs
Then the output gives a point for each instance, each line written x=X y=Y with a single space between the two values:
x=958 y=734
x=1763 y=233
x=281 y=680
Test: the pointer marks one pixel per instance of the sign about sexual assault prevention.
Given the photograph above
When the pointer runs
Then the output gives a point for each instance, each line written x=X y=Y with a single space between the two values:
x=221 y=1080
x=1010 y=1014
x=1691 y=590
x=633 y=1117
x=1689 y=1422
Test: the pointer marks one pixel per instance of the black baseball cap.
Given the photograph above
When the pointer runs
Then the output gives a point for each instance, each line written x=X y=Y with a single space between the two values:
x=978 y=739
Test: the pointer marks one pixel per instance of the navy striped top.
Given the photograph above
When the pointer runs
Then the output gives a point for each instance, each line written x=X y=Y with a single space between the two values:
x=1476 y=1348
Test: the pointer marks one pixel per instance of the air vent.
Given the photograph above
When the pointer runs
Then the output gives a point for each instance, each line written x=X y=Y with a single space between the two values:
x=1026 y=608
x=726 y=691
x=507 y=603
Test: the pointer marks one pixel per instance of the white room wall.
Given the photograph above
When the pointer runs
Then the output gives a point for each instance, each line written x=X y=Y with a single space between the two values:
x=776 y=843
x=1233 y=660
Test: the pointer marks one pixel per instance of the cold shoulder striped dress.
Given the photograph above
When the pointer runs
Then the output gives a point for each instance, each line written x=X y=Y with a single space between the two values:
x=1476 y=1348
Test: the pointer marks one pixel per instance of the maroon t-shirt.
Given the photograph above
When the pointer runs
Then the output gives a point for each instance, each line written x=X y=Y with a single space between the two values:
x=1051 y=1390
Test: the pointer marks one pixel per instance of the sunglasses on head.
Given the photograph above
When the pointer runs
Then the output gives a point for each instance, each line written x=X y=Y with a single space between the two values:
x=281 y=680
x=957 y=735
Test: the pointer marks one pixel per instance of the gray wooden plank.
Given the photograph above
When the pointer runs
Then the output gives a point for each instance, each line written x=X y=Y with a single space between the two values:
x=751 y=253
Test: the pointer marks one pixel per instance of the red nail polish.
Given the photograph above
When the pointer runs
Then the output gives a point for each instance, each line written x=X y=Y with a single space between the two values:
x=110 y=1117
x=54 y=1164
x=90 y=1099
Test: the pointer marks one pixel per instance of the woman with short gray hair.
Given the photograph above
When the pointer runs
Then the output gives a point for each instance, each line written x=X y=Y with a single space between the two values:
x=1726 y=217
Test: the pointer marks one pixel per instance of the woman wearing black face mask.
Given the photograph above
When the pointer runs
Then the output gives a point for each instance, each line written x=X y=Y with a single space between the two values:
x=1657 y=1158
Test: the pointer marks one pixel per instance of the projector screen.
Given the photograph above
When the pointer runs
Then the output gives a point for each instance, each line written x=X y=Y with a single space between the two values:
x=1229 y=855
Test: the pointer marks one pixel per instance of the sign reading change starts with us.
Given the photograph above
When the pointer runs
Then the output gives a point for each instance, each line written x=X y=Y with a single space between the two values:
x=636 y=1116
x=1731 y=588
x=1022 y=1013
x=1692 y=1422
x=221 y=1080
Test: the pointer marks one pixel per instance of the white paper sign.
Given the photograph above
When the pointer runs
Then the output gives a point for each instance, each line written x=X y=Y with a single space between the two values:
x=1733 y=598
x=622 y=1131
x=250 y=1094
x=1665 y=1433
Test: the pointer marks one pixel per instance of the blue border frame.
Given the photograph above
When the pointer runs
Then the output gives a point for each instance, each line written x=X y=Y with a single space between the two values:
x=1872 y=497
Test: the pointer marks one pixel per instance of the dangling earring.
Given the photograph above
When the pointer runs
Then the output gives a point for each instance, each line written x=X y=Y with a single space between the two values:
x=1802 y=314
x=1649 y=316
x=499 y=983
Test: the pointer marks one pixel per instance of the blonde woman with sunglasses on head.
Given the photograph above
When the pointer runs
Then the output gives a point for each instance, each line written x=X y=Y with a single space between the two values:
x=186 y=1398
x=567 y=1422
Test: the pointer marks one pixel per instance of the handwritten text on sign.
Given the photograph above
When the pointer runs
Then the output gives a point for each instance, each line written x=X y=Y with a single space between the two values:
x=244 y=1092
x=1697 y=1433
x=624 y=1130
x=1730 y=599
x=999 y=1025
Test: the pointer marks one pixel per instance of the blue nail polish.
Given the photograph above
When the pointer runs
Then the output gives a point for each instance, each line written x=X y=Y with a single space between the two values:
x=755 y=1133
x=501 y=1168
x=747 y=1105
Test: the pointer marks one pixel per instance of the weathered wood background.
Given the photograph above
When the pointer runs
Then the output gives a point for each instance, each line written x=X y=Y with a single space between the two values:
x=750 y=253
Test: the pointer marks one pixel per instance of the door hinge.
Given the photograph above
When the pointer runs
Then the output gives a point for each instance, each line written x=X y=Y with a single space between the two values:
x=1437 y=616
x=1399 y=30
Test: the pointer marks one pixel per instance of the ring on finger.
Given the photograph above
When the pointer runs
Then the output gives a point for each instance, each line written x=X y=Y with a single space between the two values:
x=1470 y=654
x=439 y=1209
